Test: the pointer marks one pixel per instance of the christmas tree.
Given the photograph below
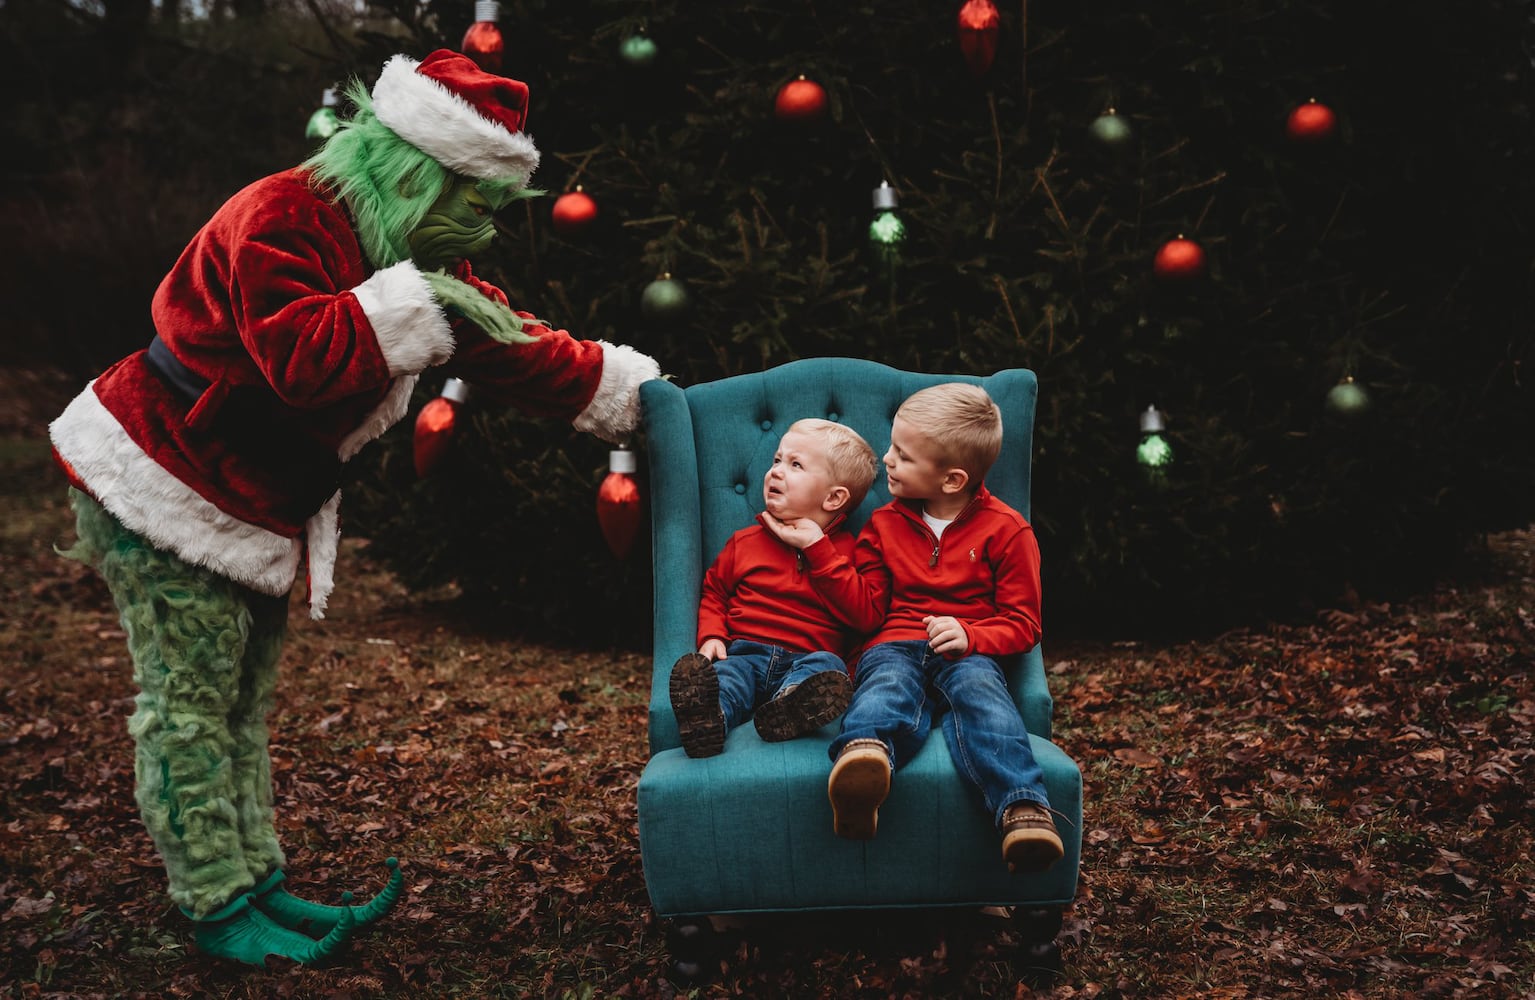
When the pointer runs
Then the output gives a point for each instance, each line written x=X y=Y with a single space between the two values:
x=1301 y=245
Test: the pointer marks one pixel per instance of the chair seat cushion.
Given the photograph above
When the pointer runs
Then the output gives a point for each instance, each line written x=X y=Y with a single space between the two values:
x=750 y=830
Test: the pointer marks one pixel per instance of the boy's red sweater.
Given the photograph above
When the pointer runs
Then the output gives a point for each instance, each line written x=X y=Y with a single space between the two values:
x=759 y=588
x=984 y=572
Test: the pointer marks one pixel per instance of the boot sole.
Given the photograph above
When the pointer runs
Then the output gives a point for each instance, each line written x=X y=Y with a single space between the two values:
x=695 y=692
x=857 y=788
x=818 y=699
x=1032 y=851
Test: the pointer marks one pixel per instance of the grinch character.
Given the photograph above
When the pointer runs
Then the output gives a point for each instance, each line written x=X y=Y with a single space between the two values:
x=204 y=469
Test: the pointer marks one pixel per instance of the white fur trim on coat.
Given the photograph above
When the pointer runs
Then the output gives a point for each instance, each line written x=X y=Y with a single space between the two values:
x=447 y=128
x=323 y=531
x=615 y=407
x=411 y=327
x=384 y=416
x=169 y=514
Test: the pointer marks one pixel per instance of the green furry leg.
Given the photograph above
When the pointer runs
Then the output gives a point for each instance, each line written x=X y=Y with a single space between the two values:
x=249 y=757
x=188 y=630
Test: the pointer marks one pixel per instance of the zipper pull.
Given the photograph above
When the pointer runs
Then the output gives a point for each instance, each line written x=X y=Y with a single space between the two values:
x=934 y=560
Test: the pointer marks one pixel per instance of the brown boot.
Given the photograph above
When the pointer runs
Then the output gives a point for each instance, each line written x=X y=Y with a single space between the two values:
x=695 y=691
x=805 y=707
x=1029 y=840
x=860 y=780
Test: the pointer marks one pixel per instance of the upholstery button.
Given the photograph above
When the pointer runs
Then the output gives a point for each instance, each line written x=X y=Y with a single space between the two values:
x=767 y=425
x=740 y=487
x=833 y=417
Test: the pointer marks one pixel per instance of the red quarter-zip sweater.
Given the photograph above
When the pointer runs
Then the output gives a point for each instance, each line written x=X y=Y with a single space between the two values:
x=760 y=588
x=984 y=572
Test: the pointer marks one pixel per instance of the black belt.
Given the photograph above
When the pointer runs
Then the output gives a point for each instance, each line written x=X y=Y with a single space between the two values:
x=173 y=373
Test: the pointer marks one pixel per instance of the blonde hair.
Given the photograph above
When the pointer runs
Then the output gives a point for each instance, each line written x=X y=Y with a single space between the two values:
x=961 y=420
x=848 y=456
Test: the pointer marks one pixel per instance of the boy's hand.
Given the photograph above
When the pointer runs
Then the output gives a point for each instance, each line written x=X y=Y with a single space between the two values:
x=946 y=636
x=714 y=649
x=801 y=532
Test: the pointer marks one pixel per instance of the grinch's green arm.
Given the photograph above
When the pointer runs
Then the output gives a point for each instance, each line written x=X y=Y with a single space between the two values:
x=498 y=321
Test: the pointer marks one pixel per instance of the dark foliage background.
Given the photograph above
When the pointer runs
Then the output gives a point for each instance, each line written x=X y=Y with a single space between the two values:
x=1398 y=253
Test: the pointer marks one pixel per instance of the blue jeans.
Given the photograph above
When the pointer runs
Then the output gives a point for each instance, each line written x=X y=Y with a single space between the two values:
x=753 y=672
x=898 y=688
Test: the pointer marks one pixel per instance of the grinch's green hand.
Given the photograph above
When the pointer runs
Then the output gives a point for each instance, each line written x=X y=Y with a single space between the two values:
x=484 y=312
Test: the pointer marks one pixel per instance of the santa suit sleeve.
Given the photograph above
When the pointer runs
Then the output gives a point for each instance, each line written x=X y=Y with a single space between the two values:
x=317 y=328
x=592 y=383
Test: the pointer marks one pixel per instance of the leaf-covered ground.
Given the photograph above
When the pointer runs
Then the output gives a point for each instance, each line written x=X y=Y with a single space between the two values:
x=1340 y=808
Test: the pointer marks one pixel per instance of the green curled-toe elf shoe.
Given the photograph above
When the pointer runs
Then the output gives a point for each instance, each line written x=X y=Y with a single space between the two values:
x=243 y=933
x=301 y=915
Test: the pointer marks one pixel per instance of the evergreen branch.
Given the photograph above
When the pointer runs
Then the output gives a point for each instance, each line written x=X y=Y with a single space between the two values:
x=996 y=135
x=1007 y=304
x=1185 y=189
x=1023 y=71
x=650 y=220
x=1042 y=179
x=335 y=39
x=1336 y=211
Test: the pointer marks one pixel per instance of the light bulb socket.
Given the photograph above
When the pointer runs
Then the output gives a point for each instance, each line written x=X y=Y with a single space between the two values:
x=487 y=10
x=1151 y=421
x=885 y=197
x=456 y=390
x=622 y=460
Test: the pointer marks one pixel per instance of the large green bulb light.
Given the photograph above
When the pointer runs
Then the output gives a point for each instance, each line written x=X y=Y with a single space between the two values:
x=887 y=230
x=324 y=123
x=1154 y=452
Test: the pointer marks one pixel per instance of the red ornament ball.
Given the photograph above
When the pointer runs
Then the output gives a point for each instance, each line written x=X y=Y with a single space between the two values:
x=1179 y=260
x=978 y=23
x=434 y=432
x=800 y=100
x=1311 y=122
x=483 y=44
x=573 y=211
x=620 y=507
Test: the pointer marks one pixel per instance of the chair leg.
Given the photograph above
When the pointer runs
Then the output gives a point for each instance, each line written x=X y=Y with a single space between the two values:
x=694 y=948
x=1038 y=960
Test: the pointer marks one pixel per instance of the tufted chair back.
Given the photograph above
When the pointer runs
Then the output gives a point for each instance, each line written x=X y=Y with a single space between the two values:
x=712 y=443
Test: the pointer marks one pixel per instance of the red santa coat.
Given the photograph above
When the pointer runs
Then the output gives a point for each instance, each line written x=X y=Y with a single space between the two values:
x=307 y=353
x=760 y=588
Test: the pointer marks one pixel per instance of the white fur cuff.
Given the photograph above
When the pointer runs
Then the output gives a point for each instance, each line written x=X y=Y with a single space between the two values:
x=614 y=410
x=412 y=329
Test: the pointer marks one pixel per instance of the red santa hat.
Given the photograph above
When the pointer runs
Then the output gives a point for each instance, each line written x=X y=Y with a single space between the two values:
x=468 y=120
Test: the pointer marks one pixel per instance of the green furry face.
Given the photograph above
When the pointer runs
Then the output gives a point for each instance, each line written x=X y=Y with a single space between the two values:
x=459 y=224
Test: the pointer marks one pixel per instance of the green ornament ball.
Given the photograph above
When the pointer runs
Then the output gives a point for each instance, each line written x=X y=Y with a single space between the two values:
x=1154 y=452
x=1348 y=397
x=664 y=299
x=322 y=124
x=1110 y=129
x=887 y=230
x=638 y=51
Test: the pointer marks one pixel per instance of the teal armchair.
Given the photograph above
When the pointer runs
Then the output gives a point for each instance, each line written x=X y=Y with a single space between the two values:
x=750 y=830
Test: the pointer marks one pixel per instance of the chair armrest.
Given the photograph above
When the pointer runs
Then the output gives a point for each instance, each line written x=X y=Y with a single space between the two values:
x=1031 y=691
x=677 y=545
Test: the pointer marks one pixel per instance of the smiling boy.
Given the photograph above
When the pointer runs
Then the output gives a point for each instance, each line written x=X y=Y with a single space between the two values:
x=955 y=573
